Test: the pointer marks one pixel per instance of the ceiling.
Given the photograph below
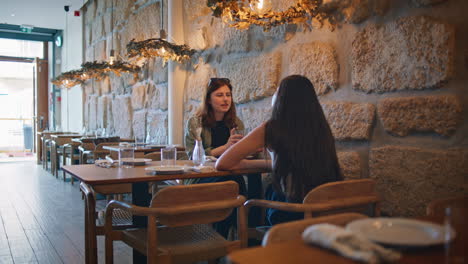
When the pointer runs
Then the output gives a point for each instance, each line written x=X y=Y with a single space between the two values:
x=38 y=13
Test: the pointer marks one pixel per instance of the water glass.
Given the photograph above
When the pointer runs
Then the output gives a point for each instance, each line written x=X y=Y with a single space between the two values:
x=168 y=156
x=239 y=132
x=126 y=151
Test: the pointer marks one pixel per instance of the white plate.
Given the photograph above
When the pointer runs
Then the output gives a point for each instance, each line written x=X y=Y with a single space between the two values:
x=136 y=162
x=401 y=231
x=166 y=169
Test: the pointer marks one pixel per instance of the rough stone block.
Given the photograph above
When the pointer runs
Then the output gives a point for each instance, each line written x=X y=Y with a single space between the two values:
x=157 y=122
x=139 y=125
x=100 y=52
x=195 y=9
x=252 y=78
x=105 y=86
x=97 y=28
x=197 y=38
x=350 y=121
x=144 y=24
x=92 y=118
x=198 y=81
x=350 y=164
x=157 y=96
x=139 y=91
x=230 y=39
x=109 y=121
x=122 y=11
x=317 y=61
x=409 y=178
x=441 y=114
x=254 y=114
x=102 y=112
x=123 y=115
x=158 y=71
x=117 y=85
x=90 y=12
x=411 y=53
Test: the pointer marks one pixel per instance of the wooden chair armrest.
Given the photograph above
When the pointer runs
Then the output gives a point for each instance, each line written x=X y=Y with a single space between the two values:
x=174 y=210
x=283 y=206
x=314 y=208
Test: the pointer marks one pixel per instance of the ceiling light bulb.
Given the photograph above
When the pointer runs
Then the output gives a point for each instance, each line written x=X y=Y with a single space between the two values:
x=260 y=6
x=112 y=57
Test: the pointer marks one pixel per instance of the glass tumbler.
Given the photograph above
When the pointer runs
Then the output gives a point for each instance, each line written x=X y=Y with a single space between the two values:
x=126 y=152
x=168 y=156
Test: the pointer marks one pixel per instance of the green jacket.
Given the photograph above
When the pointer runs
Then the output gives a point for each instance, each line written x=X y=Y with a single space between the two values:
x=191 y=131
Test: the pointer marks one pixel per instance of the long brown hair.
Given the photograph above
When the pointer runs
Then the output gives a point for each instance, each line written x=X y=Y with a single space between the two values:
x=300 y=137
x=206 y=110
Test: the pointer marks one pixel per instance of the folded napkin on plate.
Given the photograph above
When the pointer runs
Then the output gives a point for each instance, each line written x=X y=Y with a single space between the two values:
x=203 y=168
x=105 y=163
x=348 y=244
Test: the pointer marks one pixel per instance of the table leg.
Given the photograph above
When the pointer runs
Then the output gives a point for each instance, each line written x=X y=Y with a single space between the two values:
x=140 y=197
x=254 y=191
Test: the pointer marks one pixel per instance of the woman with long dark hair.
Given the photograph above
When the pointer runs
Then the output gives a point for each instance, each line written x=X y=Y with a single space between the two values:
x=300 y=142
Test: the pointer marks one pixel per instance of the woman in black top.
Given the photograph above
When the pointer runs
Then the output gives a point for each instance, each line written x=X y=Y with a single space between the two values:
x=214 y=124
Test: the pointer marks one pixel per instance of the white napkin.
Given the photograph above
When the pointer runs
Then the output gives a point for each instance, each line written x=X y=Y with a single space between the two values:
x=348 y=244
x=203 y=168
x=106 y=163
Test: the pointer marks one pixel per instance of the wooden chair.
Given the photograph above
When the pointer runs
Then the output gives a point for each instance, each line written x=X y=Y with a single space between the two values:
x=437 y=207
x=293 y=230
x=330 y=198
x=121 y=219
x=87 y=152
x=71 y=154
x=184 y=213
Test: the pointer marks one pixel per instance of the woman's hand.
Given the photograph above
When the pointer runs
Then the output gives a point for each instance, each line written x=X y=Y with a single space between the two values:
x=234 y=138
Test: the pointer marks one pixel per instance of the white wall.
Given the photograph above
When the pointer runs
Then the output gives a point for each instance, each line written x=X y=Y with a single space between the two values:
x=72 y=59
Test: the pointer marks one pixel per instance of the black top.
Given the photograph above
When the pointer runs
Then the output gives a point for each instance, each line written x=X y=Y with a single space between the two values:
x=219 y=134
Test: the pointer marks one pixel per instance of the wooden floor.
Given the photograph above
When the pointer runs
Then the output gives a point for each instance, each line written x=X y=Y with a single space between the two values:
x=41 y=218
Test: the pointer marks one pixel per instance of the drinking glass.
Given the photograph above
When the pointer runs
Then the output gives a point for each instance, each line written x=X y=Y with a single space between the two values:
x=238 y=131
x=126 y=151
x=168 y=156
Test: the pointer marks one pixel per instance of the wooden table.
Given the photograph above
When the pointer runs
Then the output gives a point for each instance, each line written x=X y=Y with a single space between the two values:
x=298 y=252
x=139 y=178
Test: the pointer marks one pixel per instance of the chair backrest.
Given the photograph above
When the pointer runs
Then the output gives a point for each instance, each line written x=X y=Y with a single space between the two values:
x=349 y=192
x=197 y=203
x=293 y=230
x=156 y=156
x=437 y=207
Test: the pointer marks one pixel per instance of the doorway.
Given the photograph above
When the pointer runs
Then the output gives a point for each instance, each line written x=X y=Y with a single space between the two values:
x=18 y=97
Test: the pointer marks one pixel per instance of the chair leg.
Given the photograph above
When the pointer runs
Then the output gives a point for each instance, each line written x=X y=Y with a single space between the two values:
x=109 y=250
x=64 y=163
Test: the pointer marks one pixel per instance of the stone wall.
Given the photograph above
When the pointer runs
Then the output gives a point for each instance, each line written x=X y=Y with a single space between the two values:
x=126 y=106
x=391 y=77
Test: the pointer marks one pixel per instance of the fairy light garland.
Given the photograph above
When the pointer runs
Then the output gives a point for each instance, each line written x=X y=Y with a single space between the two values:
x=238 y=14
x=96 y=70
x=158 y=47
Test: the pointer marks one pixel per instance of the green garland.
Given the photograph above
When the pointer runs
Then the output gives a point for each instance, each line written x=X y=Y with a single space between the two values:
x=237 y=14
x=157 y=47
x=99 y=70
x=95 y=69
